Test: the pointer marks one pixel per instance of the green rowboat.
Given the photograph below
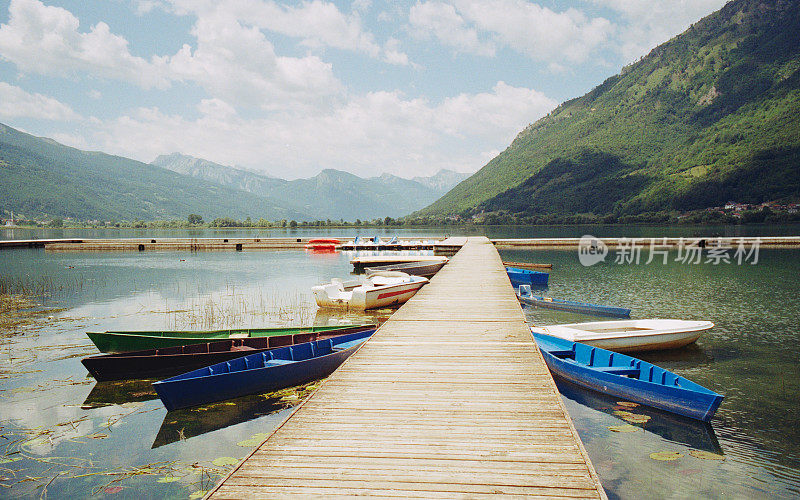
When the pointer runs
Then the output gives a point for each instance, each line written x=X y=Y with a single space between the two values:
x=139 y=340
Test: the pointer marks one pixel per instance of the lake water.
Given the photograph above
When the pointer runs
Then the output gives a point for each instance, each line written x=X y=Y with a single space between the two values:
x=64 y=433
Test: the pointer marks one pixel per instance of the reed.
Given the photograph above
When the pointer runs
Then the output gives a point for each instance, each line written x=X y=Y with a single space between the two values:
x=244 y=309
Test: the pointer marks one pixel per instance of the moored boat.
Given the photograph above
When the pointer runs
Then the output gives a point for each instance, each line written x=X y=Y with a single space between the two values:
x=122 y=341
x=258 y=373
x=169 y=361
x=627 y=377
x=322 y=244
x=630 y=335
x=383 y=289
x=526 y=297
x=426 y=268
x=526 y=277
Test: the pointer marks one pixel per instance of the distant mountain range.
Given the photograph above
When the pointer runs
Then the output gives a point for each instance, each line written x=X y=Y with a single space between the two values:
x=710 y=116
x=332 y=194
x=42 y=178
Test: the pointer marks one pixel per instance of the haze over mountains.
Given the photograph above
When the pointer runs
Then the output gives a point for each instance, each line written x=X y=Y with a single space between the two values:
x=331 y=194
x=712 y=115
x=42 y=178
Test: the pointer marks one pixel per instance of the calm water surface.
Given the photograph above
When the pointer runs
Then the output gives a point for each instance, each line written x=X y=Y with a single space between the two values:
x=63 y=432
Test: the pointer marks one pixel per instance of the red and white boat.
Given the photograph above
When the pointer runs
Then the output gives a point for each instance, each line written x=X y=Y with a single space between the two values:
x=382 y=289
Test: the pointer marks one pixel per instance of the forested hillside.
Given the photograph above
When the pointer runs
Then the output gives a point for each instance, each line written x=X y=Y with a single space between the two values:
x=710 y=116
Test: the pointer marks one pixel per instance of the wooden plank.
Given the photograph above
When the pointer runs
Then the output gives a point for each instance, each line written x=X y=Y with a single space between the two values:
x=449 y=398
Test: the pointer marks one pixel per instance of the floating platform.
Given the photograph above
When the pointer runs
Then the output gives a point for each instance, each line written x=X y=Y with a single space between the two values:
x=449 y=399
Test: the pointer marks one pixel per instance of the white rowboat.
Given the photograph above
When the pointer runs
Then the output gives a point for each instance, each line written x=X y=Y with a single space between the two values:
x=382 y=289
x=630 y=335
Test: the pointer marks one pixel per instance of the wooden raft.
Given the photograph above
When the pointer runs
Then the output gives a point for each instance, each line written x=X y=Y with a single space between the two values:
x=450 y=398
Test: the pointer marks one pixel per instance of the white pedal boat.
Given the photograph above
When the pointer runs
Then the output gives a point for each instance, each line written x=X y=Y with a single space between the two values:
x=381 y=289
x=630 y=335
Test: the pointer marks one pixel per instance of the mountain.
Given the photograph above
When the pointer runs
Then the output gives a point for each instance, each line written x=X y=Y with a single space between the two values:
x=709 y=116
x=332 y=194
x=443 y=181
x=42 y=178
x=220 y=174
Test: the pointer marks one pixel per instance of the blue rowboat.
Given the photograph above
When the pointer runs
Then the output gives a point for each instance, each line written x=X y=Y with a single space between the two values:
x=526 y=277
x=262 y=372
x=526 y=297
x=627 y=377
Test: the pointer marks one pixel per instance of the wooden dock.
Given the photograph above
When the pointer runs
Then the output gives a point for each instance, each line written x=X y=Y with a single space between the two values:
x=449 y=399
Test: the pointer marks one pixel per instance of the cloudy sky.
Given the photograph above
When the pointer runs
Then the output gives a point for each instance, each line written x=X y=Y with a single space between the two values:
x=291 y=88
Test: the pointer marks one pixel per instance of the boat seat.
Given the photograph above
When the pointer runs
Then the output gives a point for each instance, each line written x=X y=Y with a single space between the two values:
x=347 y=345
x=617 y=370
x=278 y=362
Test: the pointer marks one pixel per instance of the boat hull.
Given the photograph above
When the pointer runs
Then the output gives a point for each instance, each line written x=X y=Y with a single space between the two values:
x=569 y=305
x=425 y=269
x=170 y=361
x=630 y=335
x=244 y=376
x=362 y=298
x=526 y=277
x=653 y=386
x=142 y=340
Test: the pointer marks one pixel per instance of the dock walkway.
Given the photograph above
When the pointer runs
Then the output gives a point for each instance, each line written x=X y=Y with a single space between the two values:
x=450 y=398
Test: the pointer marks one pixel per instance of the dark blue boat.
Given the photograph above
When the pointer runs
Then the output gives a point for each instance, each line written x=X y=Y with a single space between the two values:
x=526 y=277
x=627 y=377
x=526 y=297
x=262 y=372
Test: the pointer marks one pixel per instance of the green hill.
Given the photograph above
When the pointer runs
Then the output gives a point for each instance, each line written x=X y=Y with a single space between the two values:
x=41 y=178
x=710 y=116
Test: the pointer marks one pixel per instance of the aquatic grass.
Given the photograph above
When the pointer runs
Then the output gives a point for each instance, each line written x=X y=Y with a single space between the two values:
x=242 y=309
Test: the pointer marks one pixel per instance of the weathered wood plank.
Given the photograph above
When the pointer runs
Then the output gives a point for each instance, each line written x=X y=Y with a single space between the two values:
x=450 y=398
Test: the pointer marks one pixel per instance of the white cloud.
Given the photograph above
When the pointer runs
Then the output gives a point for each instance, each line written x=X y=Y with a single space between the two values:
x=375 y=132
x=648 y=24
x=440 y=20
x=46 y=40
x=482 y=26
x=17 y=103
x=316 y=23
x=238 y=64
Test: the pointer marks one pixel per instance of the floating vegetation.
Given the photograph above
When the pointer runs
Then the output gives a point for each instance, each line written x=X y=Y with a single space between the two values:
x=666 y=456
x=635 y=418
x=706 y=455
x=225 y=461
x=623 y=428
x=18 y=311
x=627 y=404
x=43 y=286
x=198 y=494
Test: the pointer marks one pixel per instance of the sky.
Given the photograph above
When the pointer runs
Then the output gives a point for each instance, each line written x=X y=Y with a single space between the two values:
x=291 y=88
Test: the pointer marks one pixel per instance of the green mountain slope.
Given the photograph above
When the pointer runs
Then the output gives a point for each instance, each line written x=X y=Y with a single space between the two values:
x=710 y=116
x=41 y=178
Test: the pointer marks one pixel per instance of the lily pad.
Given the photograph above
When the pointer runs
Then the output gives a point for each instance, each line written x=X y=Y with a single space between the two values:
x=623 y=428
x=635 y=418
x=622 y=413
x=666 y=455
x=249 y=443
x=260 y=436
x=198 y=494
x=168 y=479
x=627 y=404
x=706 y=455
x=225 y=461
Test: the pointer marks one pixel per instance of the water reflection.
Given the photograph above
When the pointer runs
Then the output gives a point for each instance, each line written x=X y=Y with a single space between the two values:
x=689 y=432
x=180 y=425
x=120 y=392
